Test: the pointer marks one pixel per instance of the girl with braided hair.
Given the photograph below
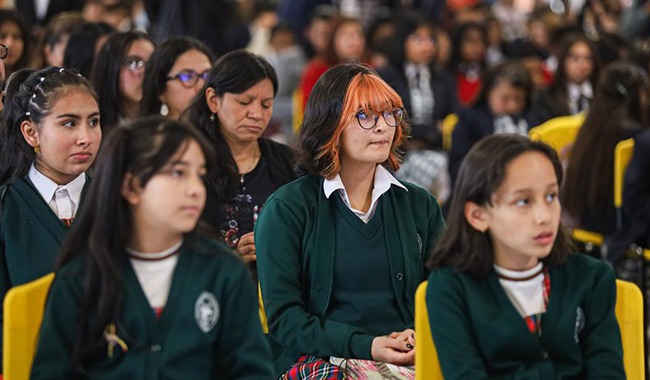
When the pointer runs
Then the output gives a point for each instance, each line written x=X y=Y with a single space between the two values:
x=49 y=136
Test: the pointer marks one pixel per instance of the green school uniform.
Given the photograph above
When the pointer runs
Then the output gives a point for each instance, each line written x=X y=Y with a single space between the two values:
x=296 y=245
x=209 y=328
x=30 y=236
x=479 y=334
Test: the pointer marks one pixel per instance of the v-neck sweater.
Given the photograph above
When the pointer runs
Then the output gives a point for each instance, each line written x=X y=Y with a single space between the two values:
x=30 y=236
x=362 y=294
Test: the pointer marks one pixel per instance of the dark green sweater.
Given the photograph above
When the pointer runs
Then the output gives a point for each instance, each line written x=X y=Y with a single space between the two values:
x=480 y=335
x=295 y=239
x=182 y=344
x=362 y=292
x=30 y=236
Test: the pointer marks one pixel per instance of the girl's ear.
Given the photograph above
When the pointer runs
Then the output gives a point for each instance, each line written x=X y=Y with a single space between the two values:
x=212 y=99
x=131 y=189
x=476 y=216
x=30 y=133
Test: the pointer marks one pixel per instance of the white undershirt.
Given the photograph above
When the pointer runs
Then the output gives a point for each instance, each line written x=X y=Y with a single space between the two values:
x=63 y=200
x=154 y=272
x=527 y=296
x=383 y=181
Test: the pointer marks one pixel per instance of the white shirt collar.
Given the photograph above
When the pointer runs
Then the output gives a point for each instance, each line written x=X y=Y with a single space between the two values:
x=575 y=90
x=383 y=182
x=411 y=69
x=46 y=187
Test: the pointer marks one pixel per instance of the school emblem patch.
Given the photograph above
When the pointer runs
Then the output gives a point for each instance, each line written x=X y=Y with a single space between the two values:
x=206 y=311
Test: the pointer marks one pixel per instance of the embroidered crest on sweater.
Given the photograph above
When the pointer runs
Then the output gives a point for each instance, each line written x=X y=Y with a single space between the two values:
x=206 y=311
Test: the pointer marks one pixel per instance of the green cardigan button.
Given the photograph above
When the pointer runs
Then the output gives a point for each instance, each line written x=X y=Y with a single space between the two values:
x=544 y=355
x=155 y=348
x=399 y=277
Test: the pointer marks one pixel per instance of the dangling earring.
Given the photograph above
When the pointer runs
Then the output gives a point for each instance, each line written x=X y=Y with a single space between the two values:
x=164 y=110
x=212 y=117
x=37 y=149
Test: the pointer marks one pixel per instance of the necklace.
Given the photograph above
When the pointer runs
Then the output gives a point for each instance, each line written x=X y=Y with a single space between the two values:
x=252 y=165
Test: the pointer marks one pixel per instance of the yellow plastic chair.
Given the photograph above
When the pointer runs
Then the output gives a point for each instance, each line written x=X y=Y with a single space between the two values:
x=622 y=157
x=427 y=366
x=24 y=306
x=629 y=314
x=298 y=110
x=588 y=237
x=448 y=125
x=265 y=324
x=559 y=132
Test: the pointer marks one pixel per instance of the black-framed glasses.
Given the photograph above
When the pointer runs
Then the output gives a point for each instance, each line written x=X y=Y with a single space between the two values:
x=392 y=117
x=189 y=78
x=135 y=64
x=4 y=51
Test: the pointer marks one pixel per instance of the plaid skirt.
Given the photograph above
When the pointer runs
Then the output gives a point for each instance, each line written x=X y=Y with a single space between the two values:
x=309 y=367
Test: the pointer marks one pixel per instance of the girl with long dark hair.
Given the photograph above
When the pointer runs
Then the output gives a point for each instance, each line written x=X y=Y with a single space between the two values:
x=49 y=135
x=137 y=292
x=506 y=298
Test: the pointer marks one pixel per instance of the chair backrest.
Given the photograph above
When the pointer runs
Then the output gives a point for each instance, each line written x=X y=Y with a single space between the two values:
x=559 y=132
x=262 y=312
x=622 y=157
x=448 y=125
x=629 y=313
x=297 y=112
x=427 y=366
x=24 y=306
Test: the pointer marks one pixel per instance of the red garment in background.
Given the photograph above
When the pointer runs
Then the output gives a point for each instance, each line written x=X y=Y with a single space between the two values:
x=314 y=69
x=467 y=87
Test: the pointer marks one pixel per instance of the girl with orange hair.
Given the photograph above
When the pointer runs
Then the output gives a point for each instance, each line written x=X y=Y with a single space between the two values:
x=341 y=250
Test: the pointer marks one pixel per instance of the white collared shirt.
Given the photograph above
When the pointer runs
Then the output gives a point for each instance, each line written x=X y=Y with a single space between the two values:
x=422 y=100
x=63 y=200
x=575 y=90
x=383 y=181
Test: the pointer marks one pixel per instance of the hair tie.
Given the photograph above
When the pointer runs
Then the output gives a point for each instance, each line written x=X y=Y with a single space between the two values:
x=42 y=79
x=621 y=89
x=28 y=114
x=61 y=70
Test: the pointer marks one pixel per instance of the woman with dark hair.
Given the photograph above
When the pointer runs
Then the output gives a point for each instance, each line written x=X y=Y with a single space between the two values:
x=505 y=298
x=575 y=78
x=50 y=134
x=342 y=249
x=346 y=43
x=137 y=292
x=174 y=75
x=619 y=111
x=429 y=94
x=15 y=34
x=117 y=75
x=501 y=106
x=233 y=111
